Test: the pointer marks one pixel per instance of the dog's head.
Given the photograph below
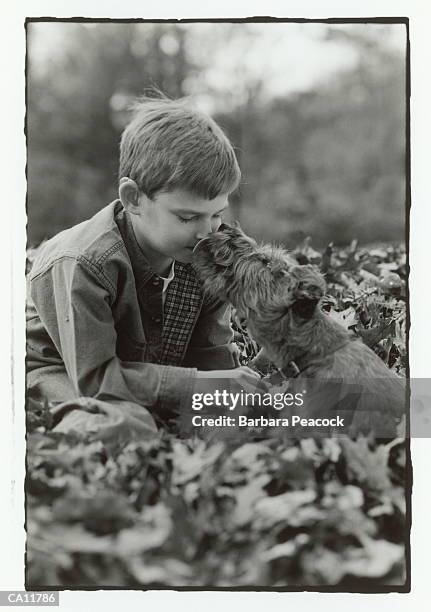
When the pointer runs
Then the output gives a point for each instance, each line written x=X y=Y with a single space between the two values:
x=263 y=282
x=222 y=248
x=215 y=257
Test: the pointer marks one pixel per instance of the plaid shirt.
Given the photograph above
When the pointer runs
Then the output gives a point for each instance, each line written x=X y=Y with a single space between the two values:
x=97 y=327
x=183 y=304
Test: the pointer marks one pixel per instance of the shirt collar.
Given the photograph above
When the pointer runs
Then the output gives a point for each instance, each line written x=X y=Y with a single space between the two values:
x=170 y=275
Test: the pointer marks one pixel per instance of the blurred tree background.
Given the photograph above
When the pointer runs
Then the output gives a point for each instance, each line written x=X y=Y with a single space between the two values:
x=324 y=157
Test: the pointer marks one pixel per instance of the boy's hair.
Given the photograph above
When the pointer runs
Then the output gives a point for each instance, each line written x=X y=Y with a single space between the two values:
x=169 y=145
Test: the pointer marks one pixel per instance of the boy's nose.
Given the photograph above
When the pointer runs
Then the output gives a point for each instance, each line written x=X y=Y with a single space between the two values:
x=207 y=227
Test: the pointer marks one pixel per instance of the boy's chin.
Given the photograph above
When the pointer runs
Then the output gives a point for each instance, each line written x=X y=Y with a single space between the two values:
x=184 y=256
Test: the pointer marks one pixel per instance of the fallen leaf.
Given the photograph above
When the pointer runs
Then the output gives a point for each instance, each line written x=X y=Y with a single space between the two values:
x=246 y=498
x=374 y=560
x=282 y=507
x=346 y=318
x=190 y=464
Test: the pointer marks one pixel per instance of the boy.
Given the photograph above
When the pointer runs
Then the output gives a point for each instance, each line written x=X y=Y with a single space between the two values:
x=115 y=309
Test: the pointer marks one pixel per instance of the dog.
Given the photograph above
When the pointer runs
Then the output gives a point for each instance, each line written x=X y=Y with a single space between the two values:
x=279 y=300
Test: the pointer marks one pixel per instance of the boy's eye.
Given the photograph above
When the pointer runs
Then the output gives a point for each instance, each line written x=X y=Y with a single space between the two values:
x=195 y=217
x=186 y=219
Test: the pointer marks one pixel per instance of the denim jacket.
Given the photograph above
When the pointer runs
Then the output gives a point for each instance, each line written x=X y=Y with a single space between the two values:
x=96 y=319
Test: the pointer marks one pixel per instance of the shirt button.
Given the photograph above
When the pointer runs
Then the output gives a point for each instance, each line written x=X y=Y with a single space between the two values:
x=156 y=282
x=156 y=319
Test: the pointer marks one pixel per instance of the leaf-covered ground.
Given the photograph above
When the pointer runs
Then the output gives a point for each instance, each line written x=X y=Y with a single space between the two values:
x=189 y=513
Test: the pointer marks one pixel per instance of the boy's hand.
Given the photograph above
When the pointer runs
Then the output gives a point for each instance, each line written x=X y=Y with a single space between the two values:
x=216 y=381
x=234 y=380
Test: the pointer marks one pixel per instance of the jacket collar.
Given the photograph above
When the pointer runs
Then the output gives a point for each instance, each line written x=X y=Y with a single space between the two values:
x=141 y=267
x=140 y=264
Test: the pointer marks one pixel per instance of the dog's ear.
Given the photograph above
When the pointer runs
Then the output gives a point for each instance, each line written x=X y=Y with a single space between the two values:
x=309 y=287
x=304 y=308
x=227 y=226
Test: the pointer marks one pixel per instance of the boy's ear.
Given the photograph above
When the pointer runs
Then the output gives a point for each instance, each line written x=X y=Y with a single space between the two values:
x=129 y=195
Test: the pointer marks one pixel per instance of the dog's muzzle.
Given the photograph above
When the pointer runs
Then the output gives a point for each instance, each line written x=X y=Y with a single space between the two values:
x=221 y=228
x=198 y=244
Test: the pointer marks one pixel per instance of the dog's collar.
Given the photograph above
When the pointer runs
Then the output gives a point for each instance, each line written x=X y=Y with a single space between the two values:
x=291 y=370
x=298 y=365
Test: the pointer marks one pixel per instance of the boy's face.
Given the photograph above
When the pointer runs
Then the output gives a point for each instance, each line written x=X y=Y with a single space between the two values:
x=172 y=223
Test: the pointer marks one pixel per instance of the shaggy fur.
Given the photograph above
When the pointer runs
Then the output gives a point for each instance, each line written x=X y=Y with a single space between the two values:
x=279 y=299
